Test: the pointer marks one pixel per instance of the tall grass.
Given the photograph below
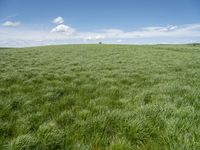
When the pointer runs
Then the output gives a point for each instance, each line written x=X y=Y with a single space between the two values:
x=90 y=97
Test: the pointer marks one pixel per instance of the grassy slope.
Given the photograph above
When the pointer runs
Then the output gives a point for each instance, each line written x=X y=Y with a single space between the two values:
x=100 y=97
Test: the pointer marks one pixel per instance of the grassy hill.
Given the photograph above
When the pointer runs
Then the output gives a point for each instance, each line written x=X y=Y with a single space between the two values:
x=97 y=97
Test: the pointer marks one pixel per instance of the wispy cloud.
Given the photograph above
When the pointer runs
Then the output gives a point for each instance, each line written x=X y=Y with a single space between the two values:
x=65 y=34
x=92 y=37
x=191 y=30
x=9 y=17
x=119 y=41
x=164 y=29
x=11 y=24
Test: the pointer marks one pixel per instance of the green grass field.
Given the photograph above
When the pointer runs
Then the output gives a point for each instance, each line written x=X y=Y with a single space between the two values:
x=100 y=97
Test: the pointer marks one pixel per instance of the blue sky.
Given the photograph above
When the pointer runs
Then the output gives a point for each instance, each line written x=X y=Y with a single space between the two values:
x=90 y=21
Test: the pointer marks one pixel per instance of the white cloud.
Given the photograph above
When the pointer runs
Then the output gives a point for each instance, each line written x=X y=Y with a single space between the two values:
x=11 y=24
x=65 y=34
x=95 y=37
x=119 y=41
x=58 y=20
x=161 y=29
x=63 y=29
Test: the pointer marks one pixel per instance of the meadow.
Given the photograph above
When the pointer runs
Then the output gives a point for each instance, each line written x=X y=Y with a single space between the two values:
x=100 y=97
